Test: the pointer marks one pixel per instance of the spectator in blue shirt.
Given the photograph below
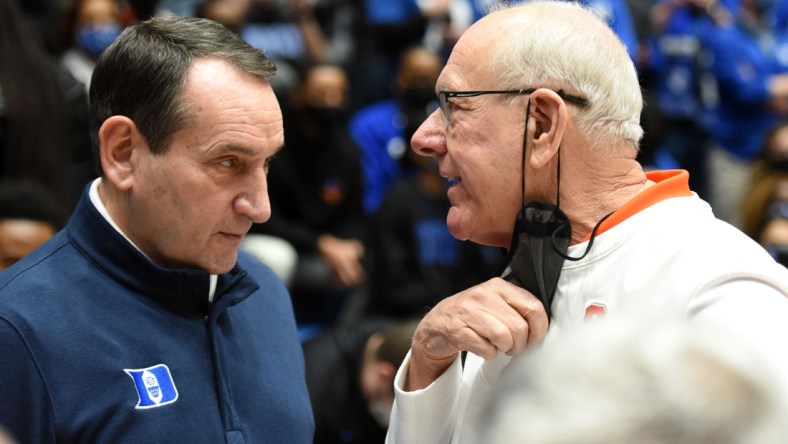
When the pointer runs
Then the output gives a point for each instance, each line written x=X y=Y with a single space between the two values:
x=753 y=91
x=379 y=129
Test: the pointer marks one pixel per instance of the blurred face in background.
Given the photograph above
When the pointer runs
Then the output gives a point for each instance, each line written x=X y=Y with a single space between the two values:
x=377 y=380
x=322 y=99
x=776 y=155
x=18 y=237
x=415 y=83
x=97 y=24
x=326 y=86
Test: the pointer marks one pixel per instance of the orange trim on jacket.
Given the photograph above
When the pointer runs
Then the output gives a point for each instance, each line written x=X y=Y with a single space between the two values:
x=668 y=183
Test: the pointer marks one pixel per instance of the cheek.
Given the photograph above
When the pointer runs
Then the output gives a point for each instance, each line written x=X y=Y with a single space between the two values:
x=493 y=182
x=177 y=204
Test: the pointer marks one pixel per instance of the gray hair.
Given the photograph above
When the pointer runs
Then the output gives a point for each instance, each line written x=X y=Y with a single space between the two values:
x=142 y=74
x=639 y=380
x=567 y=47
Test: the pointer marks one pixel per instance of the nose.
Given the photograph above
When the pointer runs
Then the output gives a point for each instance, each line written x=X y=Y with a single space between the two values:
x=254 y=202
x=430 y=139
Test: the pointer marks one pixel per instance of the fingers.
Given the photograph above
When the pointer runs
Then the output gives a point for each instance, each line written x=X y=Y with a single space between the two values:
x=531 y=312
x=438 y=344
x=497 y=336
x=344 y=256
x=349 y=272
x=491 y=318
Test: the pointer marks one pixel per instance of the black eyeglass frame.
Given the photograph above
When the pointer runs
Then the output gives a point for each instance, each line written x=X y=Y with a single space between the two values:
x=444 y=96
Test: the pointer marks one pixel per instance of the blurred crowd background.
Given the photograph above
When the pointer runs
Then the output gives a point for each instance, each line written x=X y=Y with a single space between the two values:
x=358 y=229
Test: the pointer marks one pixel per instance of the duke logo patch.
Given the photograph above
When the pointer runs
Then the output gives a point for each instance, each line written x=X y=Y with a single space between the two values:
x=154 y=385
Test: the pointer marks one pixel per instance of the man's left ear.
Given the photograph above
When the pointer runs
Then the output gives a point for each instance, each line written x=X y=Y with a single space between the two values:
x=546 y=125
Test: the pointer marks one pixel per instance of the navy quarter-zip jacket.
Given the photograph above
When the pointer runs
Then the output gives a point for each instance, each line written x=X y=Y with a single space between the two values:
x=100 y=345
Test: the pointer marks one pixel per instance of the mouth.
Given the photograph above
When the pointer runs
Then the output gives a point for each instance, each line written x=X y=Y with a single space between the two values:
x=452 y=180
x=233 y=236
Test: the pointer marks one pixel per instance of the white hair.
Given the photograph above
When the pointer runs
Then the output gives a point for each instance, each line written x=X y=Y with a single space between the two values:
x=639 y=380
x=567 y=47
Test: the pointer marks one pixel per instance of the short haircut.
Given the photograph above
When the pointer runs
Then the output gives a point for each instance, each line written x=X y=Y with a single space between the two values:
x=143 y=73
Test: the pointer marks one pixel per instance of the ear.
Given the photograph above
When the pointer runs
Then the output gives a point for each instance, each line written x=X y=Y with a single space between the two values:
x=118 y=140
x=546 y=126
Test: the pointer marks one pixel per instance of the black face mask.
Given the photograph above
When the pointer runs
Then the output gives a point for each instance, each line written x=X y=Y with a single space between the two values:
x=539 y=243
x=778 y=164
x=325 y=118
x=540 y=240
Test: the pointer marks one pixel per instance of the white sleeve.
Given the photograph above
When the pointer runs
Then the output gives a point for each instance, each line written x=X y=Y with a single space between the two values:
x=427 y=415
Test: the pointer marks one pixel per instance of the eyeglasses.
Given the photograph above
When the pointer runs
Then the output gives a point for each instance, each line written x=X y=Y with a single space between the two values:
x=445 y=105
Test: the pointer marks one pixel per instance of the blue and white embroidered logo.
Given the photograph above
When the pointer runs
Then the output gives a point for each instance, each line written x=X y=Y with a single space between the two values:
x=154 y=385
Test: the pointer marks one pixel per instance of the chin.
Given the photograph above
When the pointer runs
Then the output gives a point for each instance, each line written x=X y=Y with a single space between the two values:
x=221 y=265
x=454 y=222
x=488 y=238
x=456 y=231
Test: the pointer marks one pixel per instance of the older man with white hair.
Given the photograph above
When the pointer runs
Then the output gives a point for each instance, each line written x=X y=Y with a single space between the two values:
x=538 y=130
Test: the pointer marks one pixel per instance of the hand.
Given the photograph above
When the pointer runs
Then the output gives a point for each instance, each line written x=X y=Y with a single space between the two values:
x=303 y=10
x=487 y=319
x=344 y=257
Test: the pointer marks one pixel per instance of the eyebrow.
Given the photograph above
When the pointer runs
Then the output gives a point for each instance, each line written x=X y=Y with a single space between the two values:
x=237 y=149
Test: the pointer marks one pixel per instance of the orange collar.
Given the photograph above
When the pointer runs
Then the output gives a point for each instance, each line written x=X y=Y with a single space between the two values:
x=668 y=183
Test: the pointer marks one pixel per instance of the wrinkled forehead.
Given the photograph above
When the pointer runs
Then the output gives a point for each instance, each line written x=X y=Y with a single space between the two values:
x=466 y=67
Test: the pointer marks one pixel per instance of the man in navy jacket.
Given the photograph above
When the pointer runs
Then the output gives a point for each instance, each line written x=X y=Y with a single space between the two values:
x=141 y=321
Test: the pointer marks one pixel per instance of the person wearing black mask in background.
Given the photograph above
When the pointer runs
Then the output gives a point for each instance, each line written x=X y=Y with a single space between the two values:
x=315 y=191
x=379 y=129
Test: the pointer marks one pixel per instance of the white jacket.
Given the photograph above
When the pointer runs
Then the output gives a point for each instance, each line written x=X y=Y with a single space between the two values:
x=663 y=253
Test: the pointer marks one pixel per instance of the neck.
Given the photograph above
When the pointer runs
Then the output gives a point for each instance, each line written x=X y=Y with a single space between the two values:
x=106 y=206
x=602 y=187
x=109 y=198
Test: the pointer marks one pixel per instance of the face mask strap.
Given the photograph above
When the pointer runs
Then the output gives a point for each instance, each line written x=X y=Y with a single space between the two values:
x=558 y=205
x=508 y=252
x=525 y=148
x=590 y=241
